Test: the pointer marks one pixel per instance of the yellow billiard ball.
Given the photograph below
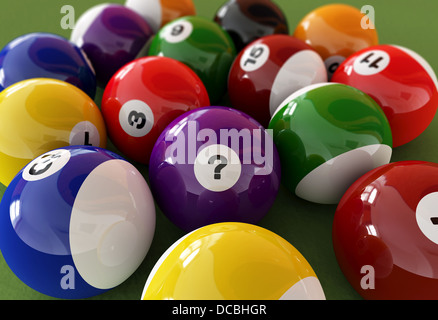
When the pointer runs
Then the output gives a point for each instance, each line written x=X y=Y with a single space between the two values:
x=232 y=261
x=39 y=115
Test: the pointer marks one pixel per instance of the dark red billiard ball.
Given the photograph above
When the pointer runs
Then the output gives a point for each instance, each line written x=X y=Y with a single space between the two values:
x=143 y=97
x=400 y=81
x=385 y=232
x=270 y=69
x=249 y=20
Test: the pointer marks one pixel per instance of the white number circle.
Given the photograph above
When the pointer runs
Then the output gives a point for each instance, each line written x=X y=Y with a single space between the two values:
x=371 y=62
x=136 y=118
x=427 y=216
x=84 y=133
x=254 y=57
x=177 y=31
x=332 y=63
x=217 y=167
x=46 y=165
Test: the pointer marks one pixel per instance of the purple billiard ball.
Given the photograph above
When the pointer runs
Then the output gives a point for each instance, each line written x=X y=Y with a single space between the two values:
x=214 y=164
x=111 y=35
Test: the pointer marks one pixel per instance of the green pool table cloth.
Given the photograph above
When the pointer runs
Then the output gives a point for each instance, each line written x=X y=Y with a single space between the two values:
x=307 y=226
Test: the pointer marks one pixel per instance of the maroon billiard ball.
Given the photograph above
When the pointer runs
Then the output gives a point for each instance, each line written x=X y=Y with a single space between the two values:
x=270 y=69
x=249 y=20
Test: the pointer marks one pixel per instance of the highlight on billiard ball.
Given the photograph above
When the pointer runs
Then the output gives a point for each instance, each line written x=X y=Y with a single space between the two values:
x=401 y=81
x=201 y=44
x=46 y=55
x=160 y=12
x=143 y=97
x=232 y=261
x=327 y=136
x=269 y=70
x=385 y=232
x=336 y=31
x=249 y=20
x=216 y=164
x=111 y=35
x=76 y=222
x=39 y=115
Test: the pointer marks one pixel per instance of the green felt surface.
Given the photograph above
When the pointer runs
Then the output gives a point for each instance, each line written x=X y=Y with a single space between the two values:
x=306 y=225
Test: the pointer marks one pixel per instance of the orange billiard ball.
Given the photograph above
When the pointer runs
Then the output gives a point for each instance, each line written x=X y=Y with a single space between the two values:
x=159 y=12
x=336 y=31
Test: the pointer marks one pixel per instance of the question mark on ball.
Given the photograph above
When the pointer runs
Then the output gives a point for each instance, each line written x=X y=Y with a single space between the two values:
x=217 y=170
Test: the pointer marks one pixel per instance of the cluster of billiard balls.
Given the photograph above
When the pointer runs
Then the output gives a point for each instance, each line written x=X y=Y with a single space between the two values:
x=319 y=110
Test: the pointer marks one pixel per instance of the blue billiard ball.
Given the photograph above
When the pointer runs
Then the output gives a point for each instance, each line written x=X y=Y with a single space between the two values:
x=76 y=222
x=46 y=55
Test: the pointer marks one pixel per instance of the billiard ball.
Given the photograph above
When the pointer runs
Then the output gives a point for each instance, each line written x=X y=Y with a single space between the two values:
x=249 y=20
x=327 y=136
x=385 y=232
x=111 y=35
x=268 y=71
x=214 y=164
x=38 y=115
x=400 y=81
x=45 y=55
x=76 y=222
x=143 y=97
x=202 y=45
x=160 y=12
x=336 y=31
x=232 y=261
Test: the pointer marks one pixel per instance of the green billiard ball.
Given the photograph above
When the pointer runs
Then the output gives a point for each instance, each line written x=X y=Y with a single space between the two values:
x=328 y=135
x=202 y=45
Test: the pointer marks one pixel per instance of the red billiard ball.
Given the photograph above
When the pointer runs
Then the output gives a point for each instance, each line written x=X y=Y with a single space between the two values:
x=143 y=97
x=270 y=69
x=400 y=81
x=385 y=232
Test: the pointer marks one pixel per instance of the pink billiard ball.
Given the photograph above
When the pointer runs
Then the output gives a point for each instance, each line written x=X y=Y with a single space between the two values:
x=400 y=81
x=268 y=70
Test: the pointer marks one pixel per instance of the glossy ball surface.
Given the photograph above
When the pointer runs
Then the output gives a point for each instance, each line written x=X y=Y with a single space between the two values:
x=202 y=45
x=269 y=70
x=232 y=261
x=400 y=81
x=336 y=31
x=111 y=35
x=39 y=115
x=76 y=222
x=143 y=97
x=327 y=136
x=385 y=232
x=214 y=164
x=160 y=12
x=249 y=20
x=45 y=55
